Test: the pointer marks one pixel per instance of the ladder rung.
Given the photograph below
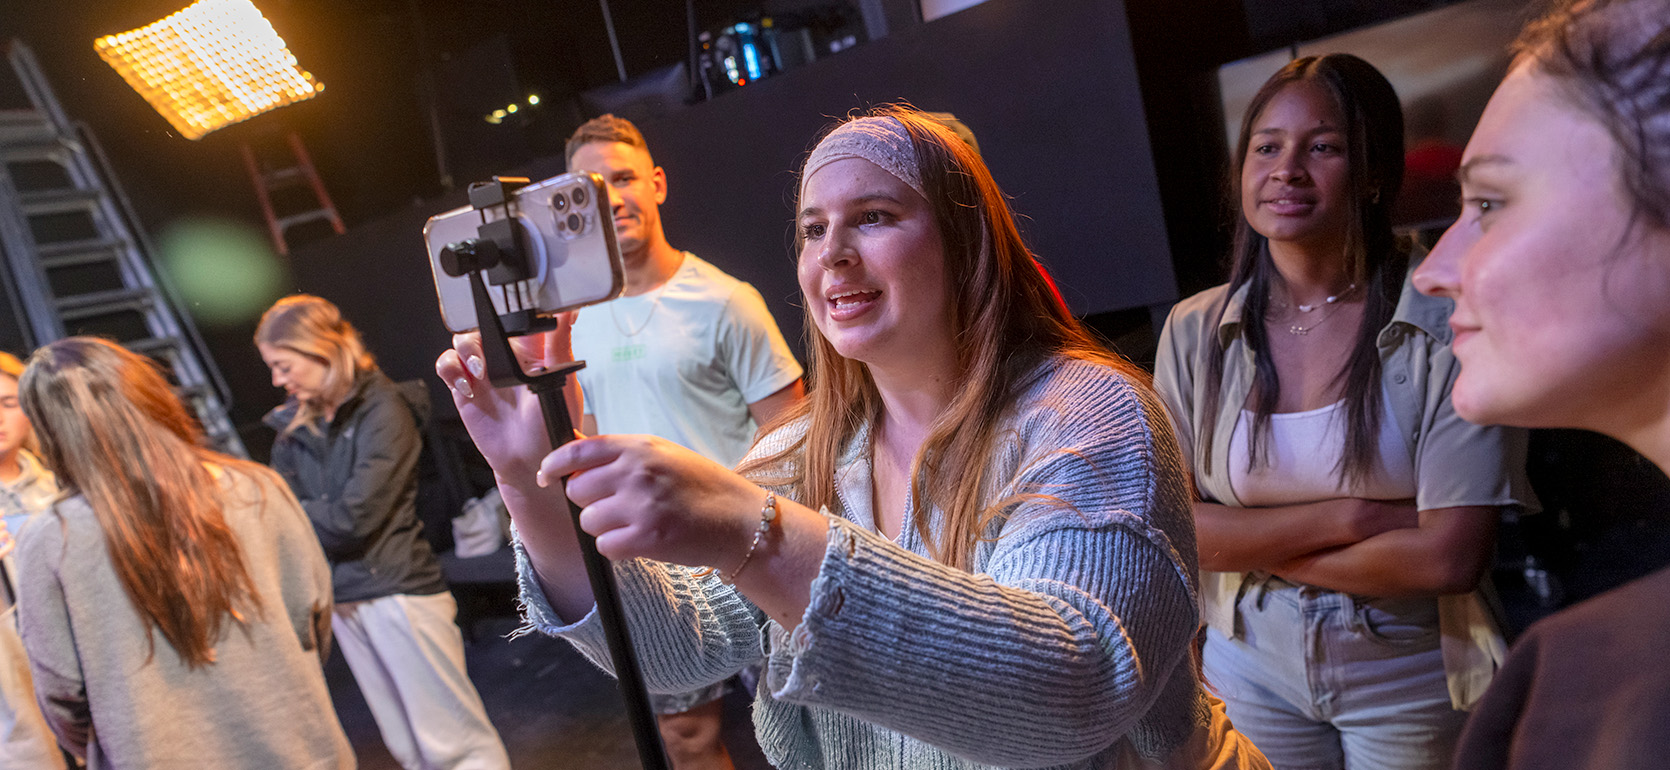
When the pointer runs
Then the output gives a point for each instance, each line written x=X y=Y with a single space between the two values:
x=26 y=127
x=151 y=346
x=58 y=201
x=316 y=215
x=279 y=177
x=18 y=116
x=56 y=254
x=17 y=147
x=101 y=302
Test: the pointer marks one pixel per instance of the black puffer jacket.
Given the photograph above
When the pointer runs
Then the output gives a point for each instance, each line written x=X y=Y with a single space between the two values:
x=358 y=483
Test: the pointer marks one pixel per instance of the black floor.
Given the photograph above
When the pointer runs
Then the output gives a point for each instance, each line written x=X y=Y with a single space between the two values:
x=552 y=708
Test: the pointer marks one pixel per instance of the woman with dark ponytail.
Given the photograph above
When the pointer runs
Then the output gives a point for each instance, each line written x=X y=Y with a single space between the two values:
x=1560 y=271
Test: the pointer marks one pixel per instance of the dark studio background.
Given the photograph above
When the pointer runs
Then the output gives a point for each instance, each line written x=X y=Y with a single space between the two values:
x=1102 y=120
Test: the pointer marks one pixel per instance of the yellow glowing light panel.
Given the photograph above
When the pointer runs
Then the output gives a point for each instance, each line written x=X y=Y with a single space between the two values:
x=211 y=65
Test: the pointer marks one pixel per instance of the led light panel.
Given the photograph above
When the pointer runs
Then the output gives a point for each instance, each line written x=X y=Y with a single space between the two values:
x=213 y=64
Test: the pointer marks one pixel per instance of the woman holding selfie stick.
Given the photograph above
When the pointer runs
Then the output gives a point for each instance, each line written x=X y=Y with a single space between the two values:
x=972 y=542
x=175 y=603
x=348 y=444
x=1560 y=271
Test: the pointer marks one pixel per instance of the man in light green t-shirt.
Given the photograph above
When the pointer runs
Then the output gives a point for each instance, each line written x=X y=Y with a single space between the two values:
x=687 y=353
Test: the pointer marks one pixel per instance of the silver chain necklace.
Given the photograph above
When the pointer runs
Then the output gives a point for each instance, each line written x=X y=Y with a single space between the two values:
x=1300 y=331
x=1331 y=299
x=1331 y=302
x=654 y=304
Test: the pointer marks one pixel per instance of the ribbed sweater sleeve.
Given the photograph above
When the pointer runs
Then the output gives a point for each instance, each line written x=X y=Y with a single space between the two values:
x=1057 y=650
x=1065 y=636
x=689 y=630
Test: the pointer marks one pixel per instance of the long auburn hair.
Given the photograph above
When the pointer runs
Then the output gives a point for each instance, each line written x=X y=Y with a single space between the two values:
x=115 y=434
x=314 y=327
x=1373 y=257
x=1006 y=321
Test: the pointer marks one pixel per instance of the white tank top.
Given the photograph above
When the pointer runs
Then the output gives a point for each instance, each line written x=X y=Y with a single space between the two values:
x=1305 y=449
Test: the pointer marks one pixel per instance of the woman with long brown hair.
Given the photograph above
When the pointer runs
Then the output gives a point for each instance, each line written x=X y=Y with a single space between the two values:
x=348 y=444
x=175 y=605
x=972 y=541
x=1346 y=516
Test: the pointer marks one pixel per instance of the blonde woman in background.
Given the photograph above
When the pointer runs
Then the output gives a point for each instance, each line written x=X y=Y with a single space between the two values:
x=348 y=444
x=26 y=488
x=175 y=602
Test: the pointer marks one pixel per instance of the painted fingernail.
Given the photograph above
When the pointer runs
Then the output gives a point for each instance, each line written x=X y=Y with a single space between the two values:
x=461 y=386
x=539 y=477
x=476 y=366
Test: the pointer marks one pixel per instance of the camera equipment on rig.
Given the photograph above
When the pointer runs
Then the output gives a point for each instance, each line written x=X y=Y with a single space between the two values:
x=499 y=252
x=500 y=256
x=545 y=247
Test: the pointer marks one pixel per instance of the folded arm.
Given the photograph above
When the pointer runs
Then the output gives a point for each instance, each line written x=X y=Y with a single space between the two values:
x=1236 y=539
x=1077 y=628
x=1446 y=554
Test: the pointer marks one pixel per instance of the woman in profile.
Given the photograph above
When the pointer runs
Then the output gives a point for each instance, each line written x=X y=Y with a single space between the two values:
x=176 y=605
x=348 y=444
x=1560 y=271
x=1346 y=515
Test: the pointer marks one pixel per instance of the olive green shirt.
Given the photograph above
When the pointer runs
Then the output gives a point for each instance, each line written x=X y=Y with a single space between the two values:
x=1456 y=462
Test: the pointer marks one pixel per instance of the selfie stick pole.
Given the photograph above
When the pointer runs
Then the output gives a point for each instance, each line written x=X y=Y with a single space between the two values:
x=503 y=371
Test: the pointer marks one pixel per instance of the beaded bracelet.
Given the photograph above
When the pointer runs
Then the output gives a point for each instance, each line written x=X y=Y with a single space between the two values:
x=768 y=514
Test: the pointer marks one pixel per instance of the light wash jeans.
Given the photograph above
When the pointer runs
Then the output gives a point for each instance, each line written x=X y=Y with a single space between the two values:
x=1320 y=680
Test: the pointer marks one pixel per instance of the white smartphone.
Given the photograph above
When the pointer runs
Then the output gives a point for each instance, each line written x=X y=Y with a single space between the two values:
x=569 y=232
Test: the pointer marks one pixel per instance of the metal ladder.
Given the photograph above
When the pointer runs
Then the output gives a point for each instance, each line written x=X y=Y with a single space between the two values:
x=75 y=260
x=269 y=180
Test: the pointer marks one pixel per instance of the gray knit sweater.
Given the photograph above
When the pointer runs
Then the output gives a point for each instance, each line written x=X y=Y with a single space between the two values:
x=263 y=703
x=1065 y=646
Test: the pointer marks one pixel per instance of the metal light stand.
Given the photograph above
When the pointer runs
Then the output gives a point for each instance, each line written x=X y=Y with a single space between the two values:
x=499 y=253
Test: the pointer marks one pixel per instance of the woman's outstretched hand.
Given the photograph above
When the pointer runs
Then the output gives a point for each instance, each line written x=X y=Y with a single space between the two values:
x=644 y=496
x=506 y=424
x=641 y=496
x=508 y=428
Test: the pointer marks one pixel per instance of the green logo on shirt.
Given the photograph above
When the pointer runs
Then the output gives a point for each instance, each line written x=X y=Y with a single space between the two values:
x=628 y=353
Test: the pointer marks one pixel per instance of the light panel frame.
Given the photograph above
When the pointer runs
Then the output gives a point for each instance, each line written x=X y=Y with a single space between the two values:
x=209 y=65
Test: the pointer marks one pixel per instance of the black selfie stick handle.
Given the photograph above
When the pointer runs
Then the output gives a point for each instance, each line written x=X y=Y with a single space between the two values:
x=503 y=371
x=627 y=672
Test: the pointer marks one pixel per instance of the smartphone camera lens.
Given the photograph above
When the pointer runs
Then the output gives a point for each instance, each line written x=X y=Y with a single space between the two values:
x=575 y=223
x=579 y=196
x=558 y=202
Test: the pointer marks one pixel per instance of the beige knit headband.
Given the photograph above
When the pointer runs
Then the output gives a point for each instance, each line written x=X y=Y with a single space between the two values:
x=879 y=140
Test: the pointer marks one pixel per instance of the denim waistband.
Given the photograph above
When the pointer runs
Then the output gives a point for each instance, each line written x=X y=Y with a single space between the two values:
x=1263 y=587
